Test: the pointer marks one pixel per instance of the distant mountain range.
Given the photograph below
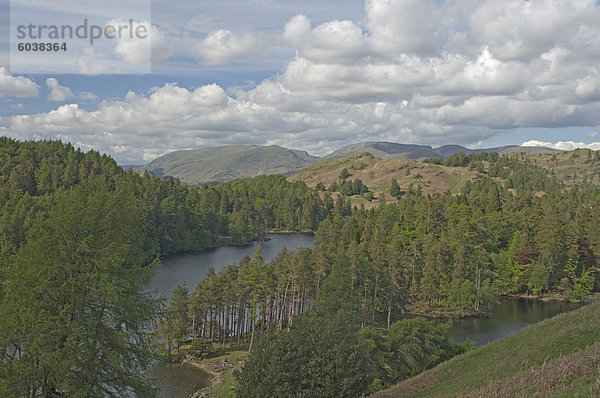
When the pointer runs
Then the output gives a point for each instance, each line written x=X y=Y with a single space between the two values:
x=391 y=150
x=224 y=163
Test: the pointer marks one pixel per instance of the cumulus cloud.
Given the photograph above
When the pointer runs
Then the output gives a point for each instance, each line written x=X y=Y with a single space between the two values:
x=151 y=45
x=419 y=71
x=403 y=26
x=296 y=30
x=87 y=66
x=519 y=30
x=564 y=145
x=91 y=63
x=223 y=46
x=17 y=86
x=58 y=92
x=175 y=117
x=334 y=41
x=87 y=96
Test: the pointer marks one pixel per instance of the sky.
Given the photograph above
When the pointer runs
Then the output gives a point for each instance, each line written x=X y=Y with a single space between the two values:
x=310 y=75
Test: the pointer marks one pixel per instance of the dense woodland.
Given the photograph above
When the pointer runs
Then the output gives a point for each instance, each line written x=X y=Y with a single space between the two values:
x=514 y=230
x=80 y=238
x=526 y=233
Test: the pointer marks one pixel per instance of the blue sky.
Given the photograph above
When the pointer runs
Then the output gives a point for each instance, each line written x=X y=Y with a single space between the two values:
x=308 y=75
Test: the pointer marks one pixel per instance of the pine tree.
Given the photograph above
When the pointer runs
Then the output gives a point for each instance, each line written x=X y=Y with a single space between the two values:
x=551 y=243
x=395 y=190
x=344 y=174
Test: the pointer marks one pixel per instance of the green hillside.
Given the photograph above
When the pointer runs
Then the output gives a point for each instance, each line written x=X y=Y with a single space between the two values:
x=558 y=357
x=220 y=164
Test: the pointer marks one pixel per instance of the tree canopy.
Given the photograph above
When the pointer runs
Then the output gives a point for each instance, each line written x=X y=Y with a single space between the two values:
x=319 y=356
x=74 y=319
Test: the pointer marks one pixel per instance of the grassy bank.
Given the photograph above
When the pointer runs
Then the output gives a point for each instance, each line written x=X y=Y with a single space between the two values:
x=557 y=357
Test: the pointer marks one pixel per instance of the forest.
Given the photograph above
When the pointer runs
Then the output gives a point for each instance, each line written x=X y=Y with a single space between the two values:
x=514 y=230
x=80 y=238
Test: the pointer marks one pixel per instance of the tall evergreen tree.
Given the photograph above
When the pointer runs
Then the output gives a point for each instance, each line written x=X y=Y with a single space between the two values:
x=73 y=318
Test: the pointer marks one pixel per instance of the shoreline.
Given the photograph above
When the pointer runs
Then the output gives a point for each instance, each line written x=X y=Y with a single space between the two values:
x=457 y=314
x=237 y=244
x=220 y=371
x=202 y=366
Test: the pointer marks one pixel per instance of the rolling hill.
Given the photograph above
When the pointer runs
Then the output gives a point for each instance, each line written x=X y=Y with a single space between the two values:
x=384 y=150
x=220 y=164
x=571 y=167
x=377 y=173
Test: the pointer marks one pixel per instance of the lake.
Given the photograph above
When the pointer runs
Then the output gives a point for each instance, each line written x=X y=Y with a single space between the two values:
x=508 y=317
x=191 y=267
x=179 y=381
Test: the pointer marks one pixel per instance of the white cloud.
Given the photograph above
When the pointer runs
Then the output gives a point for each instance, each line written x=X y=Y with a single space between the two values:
x=150 y=45
x=296 y=29
x=58 y=92
x=564 y=145
x=91 y=63
x=403 y=26
x=17 y=86
x=89 y=67
x=420 y=71
x=588 y=88
x=334 y=41
x=519 y=30
x=223 y=46
x=87 y=96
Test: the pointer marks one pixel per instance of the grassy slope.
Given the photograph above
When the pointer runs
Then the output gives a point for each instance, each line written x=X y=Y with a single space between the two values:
x=557 y=357
x=225 y=163
x=378 y=173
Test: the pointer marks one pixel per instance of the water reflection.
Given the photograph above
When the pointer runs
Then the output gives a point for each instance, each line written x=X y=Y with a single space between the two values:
x=191 y=267
x=510 y=316
x=179 y=380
